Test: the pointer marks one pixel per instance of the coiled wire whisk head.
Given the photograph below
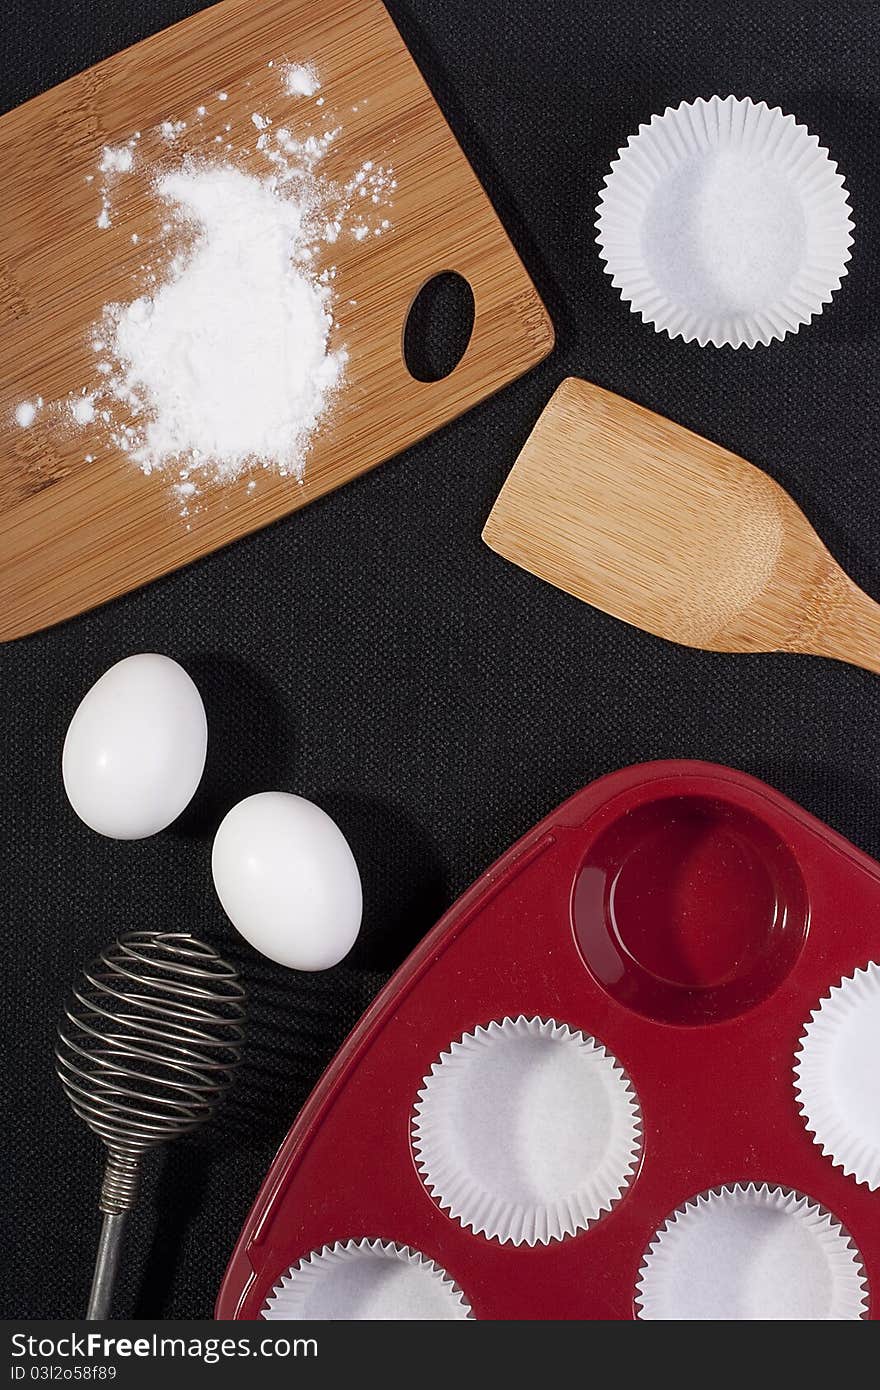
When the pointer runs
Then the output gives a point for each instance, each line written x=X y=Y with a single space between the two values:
x=148 y=1043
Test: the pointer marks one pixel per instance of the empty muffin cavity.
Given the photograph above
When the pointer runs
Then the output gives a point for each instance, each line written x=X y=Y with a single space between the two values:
x=689 y=909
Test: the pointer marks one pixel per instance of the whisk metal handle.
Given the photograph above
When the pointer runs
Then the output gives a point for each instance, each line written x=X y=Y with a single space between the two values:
x=119 y=1193
x=106 y=1265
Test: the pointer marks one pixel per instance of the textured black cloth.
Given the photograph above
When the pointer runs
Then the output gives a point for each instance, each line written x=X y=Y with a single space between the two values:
x=371 y=653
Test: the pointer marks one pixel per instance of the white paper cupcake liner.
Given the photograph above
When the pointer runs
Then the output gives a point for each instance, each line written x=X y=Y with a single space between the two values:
x=751 y=1252
x=363 y=1281
x=726 y=222
x=526 y=1130
x=836 y=1076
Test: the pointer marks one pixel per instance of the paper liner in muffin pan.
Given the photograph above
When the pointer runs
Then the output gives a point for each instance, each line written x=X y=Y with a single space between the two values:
x=366 y=1280
x=526 y=1130
x=751 y=1252
x=724 y=222
x=836 y=1075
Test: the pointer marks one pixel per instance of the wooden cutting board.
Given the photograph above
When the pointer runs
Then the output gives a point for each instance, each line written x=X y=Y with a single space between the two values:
x=75 y=533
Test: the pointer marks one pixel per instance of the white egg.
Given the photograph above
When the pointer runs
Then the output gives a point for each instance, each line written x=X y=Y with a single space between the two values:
x=288 y=881
x=135 y=749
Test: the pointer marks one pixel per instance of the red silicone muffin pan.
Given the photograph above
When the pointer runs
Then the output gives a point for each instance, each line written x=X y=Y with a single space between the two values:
x=686 y=917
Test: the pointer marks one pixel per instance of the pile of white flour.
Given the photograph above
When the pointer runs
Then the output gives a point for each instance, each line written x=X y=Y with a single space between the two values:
x=226 y=360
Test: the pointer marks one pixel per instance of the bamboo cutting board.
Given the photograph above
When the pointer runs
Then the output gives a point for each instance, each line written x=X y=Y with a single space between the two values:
x=659 y=527
x=76 y=533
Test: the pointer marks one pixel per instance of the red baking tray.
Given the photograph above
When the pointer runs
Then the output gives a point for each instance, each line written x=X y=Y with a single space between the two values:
x=735 y=913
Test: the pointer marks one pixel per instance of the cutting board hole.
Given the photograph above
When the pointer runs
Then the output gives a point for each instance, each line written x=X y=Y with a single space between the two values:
x=438 y=327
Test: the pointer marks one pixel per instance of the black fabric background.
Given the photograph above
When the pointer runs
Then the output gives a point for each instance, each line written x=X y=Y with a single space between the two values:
x=372 y=654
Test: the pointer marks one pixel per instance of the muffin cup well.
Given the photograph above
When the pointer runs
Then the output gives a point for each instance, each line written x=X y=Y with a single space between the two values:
x=366 y=1280
x=526 y=1130
x=751 y=1252
x=836 y=1075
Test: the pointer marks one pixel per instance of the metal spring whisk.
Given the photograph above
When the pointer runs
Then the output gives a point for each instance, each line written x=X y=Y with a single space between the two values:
x=147 y=1045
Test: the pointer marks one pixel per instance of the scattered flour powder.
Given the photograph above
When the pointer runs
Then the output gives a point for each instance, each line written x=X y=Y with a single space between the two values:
x=301 y=80
x=225 y=362
x=118 y=161
x=228 y=361
x=82 y=408
x=26 y=413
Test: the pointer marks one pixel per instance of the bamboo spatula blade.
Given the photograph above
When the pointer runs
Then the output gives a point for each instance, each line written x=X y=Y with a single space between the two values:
x=671 y=533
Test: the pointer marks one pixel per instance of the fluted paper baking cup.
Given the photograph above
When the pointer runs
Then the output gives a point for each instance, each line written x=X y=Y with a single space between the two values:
x=363 y=1281
x=526 y=1130
x=724 y=221
x=751 y=1253
x=836 y=1069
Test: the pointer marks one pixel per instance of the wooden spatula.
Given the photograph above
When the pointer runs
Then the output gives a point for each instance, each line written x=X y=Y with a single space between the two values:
x=655 y=525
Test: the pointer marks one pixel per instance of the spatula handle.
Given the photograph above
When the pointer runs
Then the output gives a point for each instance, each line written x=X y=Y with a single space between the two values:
x=847 y=624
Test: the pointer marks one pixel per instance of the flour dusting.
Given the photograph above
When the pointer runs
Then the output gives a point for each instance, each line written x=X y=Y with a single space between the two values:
x=300 y=80
x=117 y=161
x=82 y=408
x=26 y=413
x=226 y=358
x=229 y=360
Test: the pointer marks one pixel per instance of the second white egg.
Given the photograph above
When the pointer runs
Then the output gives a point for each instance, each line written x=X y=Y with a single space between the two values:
x=288 y=880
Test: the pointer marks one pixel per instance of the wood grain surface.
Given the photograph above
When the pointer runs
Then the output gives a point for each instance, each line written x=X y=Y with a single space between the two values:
x=75 y=533
x=657 y=526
